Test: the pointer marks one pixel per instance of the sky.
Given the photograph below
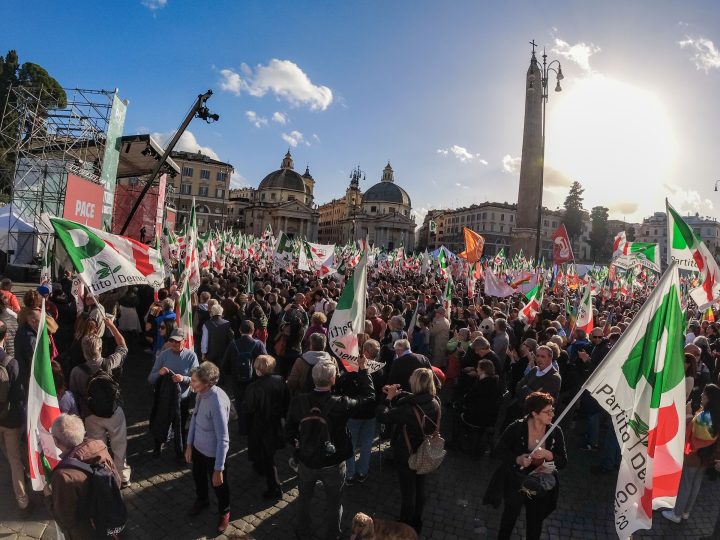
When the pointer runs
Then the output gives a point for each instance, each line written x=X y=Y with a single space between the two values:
x=436 y=88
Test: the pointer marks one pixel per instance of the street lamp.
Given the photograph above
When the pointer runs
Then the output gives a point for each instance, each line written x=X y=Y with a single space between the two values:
x=716 y=183
x=555 y=67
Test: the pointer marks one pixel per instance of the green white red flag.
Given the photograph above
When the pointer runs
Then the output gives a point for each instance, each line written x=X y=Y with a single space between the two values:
x=447 y=294
x=42 y=410
x=627 y=253
x=534 y=300
x=585 y=311
x=283 y=256
x=641 y=385
x=691 y=253
x=107 y=261
x=185 y=314
x=348 y=319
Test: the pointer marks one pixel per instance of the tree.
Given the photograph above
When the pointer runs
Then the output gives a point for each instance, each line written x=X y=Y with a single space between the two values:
x=574 y=210
x=600 y=235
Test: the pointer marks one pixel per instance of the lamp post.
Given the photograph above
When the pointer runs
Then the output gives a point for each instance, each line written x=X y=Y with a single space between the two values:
x=547 y=67
x=716 y=184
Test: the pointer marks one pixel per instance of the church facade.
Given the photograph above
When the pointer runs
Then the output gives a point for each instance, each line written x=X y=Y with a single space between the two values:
x=383 y=214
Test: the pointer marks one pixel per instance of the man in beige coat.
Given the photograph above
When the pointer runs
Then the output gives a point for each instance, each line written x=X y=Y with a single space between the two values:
x=439 y=337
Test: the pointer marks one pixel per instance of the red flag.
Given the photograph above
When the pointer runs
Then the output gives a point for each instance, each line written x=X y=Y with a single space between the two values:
x=562 y=250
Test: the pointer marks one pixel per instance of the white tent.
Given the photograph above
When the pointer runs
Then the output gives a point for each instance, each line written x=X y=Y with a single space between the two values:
x=23 y=238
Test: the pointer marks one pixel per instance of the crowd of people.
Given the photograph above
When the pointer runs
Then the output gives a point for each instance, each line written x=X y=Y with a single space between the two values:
x=471 y=369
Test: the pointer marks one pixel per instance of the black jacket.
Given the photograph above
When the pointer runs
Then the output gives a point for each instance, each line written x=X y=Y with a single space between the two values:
x=344 y=407
x=14 y=417
x=24 y=349
x=400 y=414
x=505 y=482
x=166 y=407
x=266 y=404
x=220 y=335
x=482 y=401
x=404 y=366
x=348 y=385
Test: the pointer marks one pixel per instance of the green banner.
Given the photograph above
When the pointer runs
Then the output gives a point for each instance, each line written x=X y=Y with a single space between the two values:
x=111 y=157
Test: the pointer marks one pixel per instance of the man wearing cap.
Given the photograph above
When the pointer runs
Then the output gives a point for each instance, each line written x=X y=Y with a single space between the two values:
x=216 y=336
x=177 y=361
x=50 y=307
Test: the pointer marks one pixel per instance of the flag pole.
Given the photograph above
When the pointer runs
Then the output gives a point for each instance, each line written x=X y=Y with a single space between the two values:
x=623 y=337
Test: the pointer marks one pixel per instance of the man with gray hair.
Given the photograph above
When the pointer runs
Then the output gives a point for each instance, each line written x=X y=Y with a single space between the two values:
x=216 y=336
x=404 y=364
x=317 y=428
x=98 y=395
x=69 y=486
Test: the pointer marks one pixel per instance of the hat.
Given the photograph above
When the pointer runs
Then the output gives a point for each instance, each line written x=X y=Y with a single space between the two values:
x=43 y=290
x=177 y=335
x=216 y=310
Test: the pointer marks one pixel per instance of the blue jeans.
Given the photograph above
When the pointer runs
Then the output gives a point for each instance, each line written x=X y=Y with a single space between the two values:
x=610 y=459
x=362 y=432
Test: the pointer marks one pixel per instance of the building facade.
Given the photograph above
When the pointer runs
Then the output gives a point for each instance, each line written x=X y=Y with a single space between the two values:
x=383 y=214
x=284 y=199
x=496 y=223
x=205 y=179
x=654 y=229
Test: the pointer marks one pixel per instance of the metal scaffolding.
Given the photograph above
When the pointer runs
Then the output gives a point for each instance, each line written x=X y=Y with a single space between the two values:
x=42 y=143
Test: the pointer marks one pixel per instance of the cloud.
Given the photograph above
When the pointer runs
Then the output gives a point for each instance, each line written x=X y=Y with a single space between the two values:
x=153 y=5
x=462 y=186
x=461 y=153
x=314 y=136
x=187 y=143
x=237 y=180
x=419 y=214
x=294 y=138
x=552 y=178
x=623 y=208
x=283 y=78
x=279 y=118
x=578 y=53
x=511 y=164
x=687 y=200
x=257 y=121
x=705 y=54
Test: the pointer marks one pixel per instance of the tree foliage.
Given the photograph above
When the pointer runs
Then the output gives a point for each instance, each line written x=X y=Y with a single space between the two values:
x=574 y=210
x=600 y=234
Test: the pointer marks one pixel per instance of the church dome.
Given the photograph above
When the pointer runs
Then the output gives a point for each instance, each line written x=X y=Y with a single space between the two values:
x=284 y=178
x=387 y=190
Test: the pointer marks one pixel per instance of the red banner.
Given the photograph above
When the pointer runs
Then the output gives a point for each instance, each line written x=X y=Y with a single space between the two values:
x=83 y=201
x=562 y=250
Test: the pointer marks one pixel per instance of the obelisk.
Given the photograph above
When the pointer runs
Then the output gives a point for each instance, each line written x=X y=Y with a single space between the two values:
x=530 y=190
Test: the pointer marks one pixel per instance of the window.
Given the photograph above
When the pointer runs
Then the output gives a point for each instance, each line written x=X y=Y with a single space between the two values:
x=220 y=193
x=230 y=210
x=545 y=222
x=502 y=218
x=373 y=208
x=187 y=171
x=512 y=218
x=502 y=228
x=221 y=176
x=203 y=191
x=492 y=216
x=204 y=174
x=554 y=224
x=200 y=222
x=272 y=196
x=291 y=197
x=484 y=215
x=392 y=209
x=186 y=189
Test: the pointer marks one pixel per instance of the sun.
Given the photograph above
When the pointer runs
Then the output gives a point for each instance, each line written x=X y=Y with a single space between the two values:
x=616 y=140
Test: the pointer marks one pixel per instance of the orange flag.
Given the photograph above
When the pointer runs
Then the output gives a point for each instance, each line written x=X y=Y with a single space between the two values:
x=474 y=244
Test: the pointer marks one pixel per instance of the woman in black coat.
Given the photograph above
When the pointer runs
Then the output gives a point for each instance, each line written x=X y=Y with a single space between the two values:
x=514 y=449
x=399 y=411
x=266 y=403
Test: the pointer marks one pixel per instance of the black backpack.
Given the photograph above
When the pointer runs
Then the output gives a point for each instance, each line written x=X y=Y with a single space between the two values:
x=103 y=392
x=103 y=503
x=315 y=444
x=242 y=367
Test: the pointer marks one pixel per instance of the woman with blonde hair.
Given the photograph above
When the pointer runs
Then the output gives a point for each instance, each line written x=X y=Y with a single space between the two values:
x=412 y=415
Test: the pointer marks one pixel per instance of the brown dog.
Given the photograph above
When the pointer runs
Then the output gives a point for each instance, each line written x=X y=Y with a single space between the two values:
x=366 y=528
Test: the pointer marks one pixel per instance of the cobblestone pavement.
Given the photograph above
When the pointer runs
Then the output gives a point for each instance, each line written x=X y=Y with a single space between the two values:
x=162 y=492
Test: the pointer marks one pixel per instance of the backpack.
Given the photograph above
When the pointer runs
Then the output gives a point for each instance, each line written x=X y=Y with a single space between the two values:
x=242 y=367
x=103 y=503
x=4 y=387
x=103 y=392
x=315 y=445
x=431 y=452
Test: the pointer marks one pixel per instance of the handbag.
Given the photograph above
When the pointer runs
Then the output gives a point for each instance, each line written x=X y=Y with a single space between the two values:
x=535 y=484
x=431 y=452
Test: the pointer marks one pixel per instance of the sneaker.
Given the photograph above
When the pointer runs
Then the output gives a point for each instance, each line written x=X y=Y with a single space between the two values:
x=197 y=507
x=223 y=522
x=125 y=484
x=686 y=516
x=349 y=480
x=361 y=477
x=670 y=515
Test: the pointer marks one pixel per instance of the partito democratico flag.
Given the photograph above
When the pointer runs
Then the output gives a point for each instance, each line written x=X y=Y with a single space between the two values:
x=42 y=410
x=562 y=249
x=641 y=385
x=348 y=320
x=107 y=261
